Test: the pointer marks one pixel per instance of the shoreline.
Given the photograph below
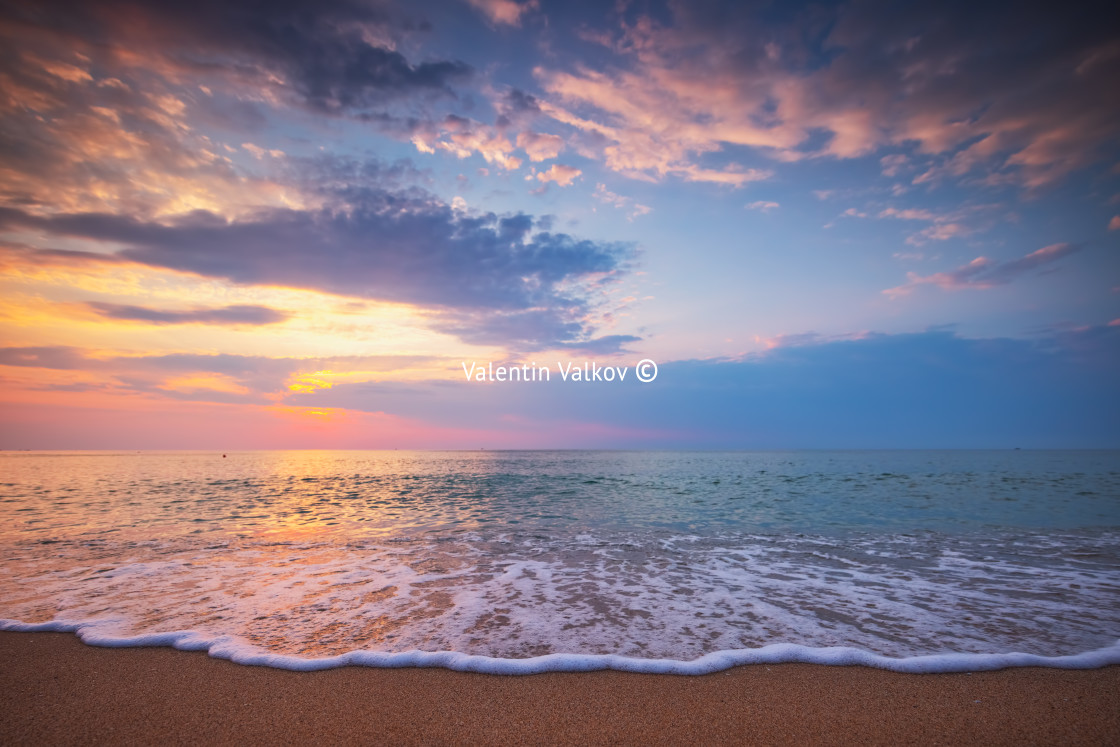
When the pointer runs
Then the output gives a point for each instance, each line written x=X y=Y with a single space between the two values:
x=58 y=690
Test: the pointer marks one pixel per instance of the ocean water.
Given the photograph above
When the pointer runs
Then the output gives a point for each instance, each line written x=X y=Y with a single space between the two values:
x=531 y=561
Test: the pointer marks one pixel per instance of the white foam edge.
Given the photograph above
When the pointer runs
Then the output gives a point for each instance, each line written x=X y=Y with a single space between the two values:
x=226 y=647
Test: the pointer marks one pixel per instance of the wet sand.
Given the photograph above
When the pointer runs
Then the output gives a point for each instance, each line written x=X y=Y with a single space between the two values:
x=57 y=690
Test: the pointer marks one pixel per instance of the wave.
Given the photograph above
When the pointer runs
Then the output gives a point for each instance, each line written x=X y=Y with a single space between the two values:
x=229 y=648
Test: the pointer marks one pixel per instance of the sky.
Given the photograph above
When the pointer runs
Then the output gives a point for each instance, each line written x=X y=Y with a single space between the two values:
x=242 y=224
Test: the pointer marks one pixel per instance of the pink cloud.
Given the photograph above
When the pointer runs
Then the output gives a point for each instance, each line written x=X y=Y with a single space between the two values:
x=504 y=12
x=464 y=137
x=909 y=214
x=1114 y=224
x=733 y=176
x=562 y=175
x=539 y=146
x=893 y=164
x=634 y=209
x=983 y=273
x=939 y=232
x=803 y=339
x=945 y=226
x=695 y=87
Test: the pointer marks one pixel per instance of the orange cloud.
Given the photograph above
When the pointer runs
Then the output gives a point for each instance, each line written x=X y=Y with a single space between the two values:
x=102 y=145
x=307 y=383
x=204 y=382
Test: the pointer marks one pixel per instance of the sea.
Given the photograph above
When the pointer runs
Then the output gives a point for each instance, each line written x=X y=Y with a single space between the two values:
x=516 y=562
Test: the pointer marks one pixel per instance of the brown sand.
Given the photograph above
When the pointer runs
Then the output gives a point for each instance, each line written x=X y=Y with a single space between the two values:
x=57 y=690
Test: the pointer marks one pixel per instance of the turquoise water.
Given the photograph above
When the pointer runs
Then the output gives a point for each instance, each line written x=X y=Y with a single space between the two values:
x=654 y=556
x=829 y=492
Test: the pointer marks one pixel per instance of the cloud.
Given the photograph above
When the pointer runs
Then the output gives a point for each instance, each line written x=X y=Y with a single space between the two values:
x=955 y=224
x=504 y=12
x=763 y=206
x=893 y=164
x=57 y=357
x=515 y=104
x=195 y=377
x=463 y=137
x=633 y=209
x=368 y=242
x=531 y=330
x=339 y=58
x=15 y=257
x=102 y=144
x=560 y=174
x=226 y=315
x=1114 y=224
x=734 y=175
x=939 y=232
x=115 y=114
x=540 y=146
x=923 y=390
x=123 y=106
x=909 y=214
x=983 y=273
x=709 y=80
x=388 y=247
x=259 y=152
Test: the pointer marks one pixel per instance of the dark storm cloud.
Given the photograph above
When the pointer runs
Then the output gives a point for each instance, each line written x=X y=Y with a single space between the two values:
x=231 y=315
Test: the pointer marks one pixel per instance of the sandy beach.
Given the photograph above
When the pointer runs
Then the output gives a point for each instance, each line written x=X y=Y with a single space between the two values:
x=58 y=690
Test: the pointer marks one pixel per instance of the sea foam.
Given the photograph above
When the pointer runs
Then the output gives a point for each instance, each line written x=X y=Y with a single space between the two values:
x=640 y=596
x=226 y=647
x=549 y=561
